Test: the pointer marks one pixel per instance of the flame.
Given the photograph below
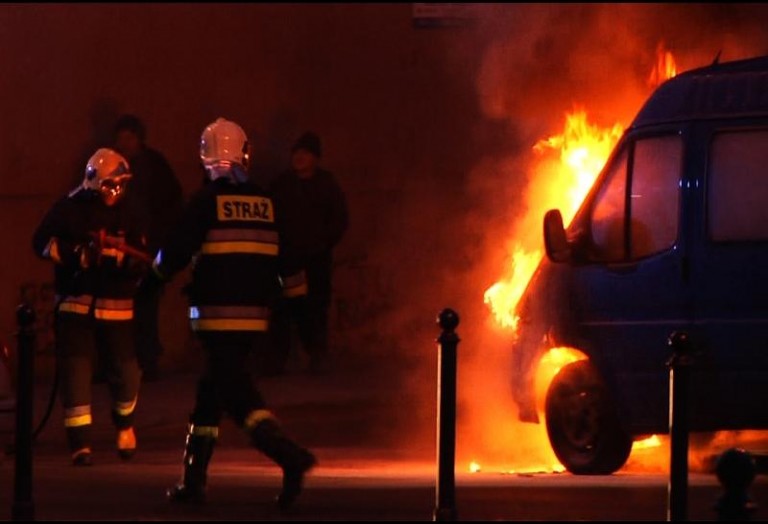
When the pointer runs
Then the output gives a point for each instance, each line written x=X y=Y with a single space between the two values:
x=549 y=366
x=567 y=166
x=562 y=172
x=664 y=69
x=651 y=442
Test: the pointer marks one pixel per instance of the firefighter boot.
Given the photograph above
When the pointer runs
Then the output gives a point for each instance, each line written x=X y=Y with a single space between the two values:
x=294 y=460
x=78 y=440
x=197 y=455
x=126 y=443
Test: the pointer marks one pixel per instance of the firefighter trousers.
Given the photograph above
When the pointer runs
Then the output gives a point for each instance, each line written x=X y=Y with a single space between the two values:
x=80 y=339
x=226 y=386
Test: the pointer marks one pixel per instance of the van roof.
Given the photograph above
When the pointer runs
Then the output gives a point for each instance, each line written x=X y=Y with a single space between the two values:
x=720 y=90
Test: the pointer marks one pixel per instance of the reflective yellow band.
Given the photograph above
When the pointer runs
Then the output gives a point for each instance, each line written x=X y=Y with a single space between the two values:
x=228 y=324
x=296 y=291
x=113 y=314
x=71 y=307
x=125 y=408
x=241 y=235
x=226 y=248
x=254 y=418
x=204 y=431
x=73 y=422
x=251 y=312
x=114 y=303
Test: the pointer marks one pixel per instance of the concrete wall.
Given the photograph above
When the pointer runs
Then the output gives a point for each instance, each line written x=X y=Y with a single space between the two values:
x=393 y=104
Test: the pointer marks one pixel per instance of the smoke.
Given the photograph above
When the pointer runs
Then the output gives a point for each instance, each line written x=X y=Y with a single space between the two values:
x=534 y=64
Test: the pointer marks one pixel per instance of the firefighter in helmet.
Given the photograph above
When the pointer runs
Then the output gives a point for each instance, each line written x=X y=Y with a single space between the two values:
x=231 y=231
x=87 y=235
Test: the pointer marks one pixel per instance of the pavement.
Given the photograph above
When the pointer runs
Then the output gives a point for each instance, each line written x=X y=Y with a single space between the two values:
x=349 y=419
x=344 y=416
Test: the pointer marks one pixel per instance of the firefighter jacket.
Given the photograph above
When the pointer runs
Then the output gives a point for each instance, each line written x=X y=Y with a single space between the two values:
x=232 y=237
x=92 y=275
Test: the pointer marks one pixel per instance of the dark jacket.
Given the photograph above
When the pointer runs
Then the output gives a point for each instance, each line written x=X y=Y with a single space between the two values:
x=68 y=227
x=155 y=190
x=314 y=211
x=232 y=234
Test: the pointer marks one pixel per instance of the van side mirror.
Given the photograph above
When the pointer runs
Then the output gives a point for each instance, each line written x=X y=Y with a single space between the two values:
x=555 y=241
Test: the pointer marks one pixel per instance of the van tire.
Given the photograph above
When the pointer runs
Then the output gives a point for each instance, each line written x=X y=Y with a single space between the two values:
x=582 y=423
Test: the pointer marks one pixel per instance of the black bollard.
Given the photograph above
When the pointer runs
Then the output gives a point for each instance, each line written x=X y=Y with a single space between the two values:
x=679 y=371
x=446 y=422
x=23 y=507
x=736 y=470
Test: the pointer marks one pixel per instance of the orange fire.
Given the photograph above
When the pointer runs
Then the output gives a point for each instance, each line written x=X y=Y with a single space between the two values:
x=665 y=67
x=565 y=169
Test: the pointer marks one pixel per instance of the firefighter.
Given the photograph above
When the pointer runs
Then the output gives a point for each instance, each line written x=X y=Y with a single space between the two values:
x=86 y=234
x=230 y=230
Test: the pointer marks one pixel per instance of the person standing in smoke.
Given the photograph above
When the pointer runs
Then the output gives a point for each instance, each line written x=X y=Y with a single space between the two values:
x=314 y=210
x=156 y=192
x=87 y=235
x=231 y=230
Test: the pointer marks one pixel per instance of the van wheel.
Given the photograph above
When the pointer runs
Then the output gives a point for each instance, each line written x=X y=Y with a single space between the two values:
x=582 y=424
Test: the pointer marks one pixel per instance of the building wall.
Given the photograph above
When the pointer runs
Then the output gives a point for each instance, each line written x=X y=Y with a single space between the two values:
x=393 y=104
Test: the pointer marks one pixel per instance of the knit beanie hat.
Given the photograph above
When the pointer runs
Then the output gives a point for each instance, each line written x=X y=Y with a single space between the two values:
x=309 y=141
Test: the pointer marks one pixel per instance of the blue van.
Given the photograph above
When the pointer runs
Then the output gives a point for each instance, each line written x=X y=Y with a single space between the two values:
x=673 y=237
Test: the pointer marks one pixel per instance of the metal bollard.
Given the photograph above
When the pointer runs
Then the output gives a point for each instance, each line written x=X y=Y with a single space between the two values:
x=23 y=507
x=679 y=371
x=736 y=470
x=445 y=510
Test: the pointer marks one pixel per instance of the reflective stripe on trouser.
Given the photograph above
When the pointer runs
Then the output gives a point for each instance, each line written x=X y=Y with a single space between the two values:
x=122 y=413
x=77 y=421
x=256 y=417
x=229 y=318
x=248 y=241
x=197 y=430
x=113 y=309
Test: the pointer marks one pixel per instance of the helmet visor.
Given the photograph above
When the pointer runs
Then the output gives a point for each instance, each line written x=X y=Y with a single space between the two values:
x=112 y=189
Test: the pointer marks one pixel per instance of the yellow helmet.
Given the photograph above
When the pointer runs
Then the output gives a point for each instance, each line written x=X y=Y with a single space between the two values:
x=108 y=173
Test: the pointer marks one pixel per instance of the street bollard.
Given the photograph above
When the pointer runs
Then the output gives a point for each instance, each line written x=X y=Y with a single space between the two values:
x=736 y=470
x=23 y=507
x=445 y=509
x=679 y=371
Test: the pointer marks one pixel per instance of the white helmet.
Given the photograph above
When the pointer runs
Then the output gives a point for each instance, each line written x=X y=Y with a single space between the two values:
x=107 y=172
x=223 y=147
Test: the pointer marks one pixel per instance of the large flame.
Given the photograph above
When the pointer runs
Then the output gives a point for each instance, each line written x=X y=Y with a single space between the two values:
x=568 y=164
x=565 y=168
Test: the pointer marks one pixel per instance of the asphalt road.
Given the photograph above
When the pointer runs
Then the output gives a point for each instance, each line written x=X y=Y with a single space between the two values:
x=358 y=478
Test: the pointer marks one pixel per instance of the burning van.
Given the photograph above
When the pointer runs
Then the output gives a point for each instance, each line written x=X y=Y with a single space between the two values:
x=672 y=237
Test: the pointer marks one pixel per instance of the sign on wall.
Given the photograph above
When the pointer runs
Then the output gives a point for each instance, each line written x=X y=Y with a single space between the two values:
x=443 y=15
